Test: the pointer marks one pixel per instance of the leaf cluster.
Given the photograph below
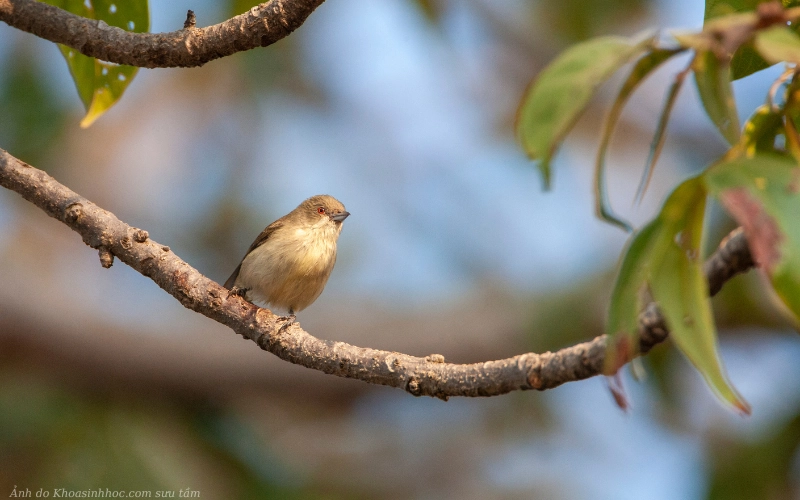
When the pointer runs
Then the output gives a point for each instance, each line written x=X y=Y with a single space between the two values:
x=757 y=180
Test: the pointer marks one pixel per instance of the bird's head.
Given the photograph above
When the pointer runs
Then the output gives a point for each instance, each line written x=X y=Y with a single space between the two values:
x=322 y=209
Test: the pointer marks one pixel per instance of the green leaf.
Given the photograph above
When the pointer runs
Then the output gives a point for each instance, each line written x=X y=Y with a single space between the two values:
x=640 y=71
x=778 y=44
x=746 y=60
x=555 y=100
x=642 y=258
x=665 y=256
x=714 y=85
x=627 y=297
x=100 y=84
x=660 y=134
x=763 y=194
x=760 y=131
x=236 y=7
x=32 y=117
x=681 y=290
x=717 y=8
x=573 y=22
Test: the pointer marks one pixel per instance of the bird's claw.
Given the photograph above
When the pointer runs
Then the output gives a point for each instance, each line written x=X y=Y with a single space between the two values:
x=290 y=320
x=235 y=290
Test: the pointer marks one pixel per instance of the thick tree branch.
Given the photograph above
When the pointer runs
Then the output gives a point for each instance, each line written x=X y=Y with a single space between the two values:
x=262 y=25
x=429 y=376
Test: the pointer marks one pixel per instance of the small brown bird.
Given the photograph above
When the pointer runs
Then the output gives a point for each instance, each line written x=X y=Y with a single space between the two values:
x=290 y=261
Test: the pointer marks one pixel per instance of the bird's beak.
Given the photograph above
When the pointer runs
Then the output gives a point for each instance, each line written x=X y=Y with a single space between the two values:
x=340 y=216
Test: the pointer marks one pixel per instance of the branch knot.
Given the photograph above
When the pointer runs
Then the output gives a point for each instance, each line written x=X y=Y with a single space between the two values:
x=413 y=386
x=191 y=20
x=106 y=257
x=140 y=235
x=73 y=212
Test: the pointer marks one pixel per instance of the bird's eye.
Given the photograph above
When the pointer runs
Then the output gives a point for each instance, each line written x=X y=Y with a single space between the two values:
x=321 y=211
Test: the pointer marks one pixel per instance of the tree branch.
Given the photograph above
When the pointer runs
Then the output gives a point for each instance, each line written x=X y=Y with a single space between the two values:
x=262 y=25
x=429 y=376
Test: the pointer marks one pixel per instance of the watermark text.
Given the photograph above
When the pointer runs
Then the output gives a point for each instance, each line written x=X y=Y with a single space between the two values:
x=101 y=493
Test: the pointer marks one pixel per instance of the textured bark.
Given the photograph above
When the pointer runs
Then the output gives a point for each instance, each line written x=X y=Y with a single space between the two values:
x=429 y=376
x=262 y=25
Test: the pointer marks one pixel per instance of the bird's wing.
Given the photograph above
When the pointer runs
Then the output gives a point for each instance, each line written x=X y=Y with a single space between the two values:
x=266 y=233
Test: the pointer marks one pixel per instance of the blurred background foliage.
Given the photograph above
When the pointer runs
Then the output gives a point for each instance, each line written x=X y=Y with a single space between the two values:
x=404 y=111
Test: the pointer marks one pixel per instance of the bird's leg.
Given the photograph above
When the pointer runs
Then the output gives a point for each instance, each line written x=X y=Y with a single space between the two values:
x=290 y=320
x=235 y=290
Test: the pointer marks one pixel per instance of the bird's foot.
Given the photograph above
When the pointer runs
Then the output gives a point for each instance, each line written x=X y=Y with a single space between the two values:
x=235 y=290
x=290 y=320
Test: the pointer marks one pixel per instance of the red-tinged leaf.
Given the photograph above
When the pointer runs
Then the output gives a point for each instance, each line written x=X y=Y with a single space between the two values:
x=646 y=64
x=764 y=236
x=714 y=86
x=558 y=96
x=617 y=389
x=763 y=194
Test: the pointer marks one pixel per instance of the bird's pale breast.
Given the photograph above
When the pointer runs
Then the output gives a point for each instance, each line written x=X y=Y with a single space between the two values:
x=289 y=271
